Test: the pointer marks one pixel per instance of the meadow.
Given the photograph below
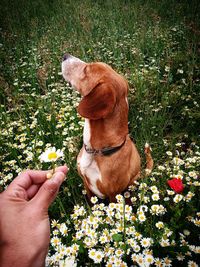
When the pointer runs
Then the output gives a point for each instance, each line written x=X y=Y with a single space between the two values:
x=156 y=46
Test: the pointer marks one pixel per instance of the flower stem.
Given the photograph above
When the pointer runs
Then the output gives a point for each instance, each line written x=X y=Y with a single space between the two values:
x=53 y=167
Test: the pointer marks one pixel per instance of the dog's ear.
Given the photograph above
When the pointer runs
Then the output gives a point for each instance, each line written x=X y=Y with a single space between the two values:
x=99 y=103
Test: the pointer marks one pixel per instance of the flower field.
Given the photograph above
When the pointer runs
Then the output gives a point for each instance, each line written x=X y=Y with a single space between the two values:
x=155 y=45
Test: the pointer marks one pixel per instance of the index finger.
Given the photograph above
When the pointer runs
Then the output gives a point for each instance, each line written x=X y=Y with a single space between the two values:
x=30 y=177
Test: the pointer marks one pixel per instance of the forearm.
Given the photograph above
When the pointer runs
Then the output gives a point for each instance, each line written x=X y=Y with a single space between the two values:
x=21 y=257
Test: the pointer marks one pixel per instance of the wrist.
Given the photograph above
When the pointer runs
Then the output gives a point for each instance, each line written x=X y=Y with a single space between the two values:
x=11 y=255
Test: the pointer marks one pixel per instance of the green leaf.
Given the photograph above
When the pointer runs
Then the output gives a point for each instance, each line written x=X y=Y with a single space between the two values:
x=117 y=237
x=81 y=247
x=124 y=247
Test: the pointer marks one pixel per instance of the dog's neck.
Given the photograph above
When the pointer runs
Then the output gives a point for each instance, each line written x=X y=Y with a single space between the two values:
x=109 y=132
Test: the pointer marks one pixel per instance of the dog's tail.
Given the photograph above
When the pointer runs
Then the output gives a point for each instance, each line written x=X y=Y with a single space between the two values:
x=149 y=159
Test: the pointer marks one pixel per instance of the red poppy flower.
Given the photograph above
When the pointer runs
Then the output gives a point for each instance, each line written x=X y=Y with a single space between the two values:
x=176 y=184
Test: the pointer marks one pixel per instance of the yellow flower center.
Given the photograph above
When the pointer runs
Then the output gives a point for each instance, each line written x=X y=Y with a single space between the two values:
x=52 y=155
x=149 y=260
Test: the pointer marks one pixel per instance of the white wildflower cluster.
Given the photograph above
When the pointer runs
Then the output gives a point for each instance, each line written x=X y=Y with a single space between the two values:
x=195 y=220
x=109 y=227
x=143 y=259
x=96 y=255
x=111 y=234
x=26 y=140
x=157 y=210
x=165 y=239
x=63 y=254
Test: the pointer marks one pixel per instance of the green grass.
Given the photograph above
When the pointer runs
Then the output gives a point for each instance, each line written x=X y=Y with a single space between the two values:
x=154 y=44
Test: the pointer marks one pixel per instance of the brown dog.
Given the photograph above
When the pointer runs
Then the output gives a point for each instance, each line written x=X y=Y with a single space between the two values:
x=108 y=161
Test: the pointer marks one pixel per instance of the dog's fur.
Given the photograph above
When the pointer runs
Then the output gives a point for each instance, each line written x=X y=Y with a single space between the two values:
x=105 y=108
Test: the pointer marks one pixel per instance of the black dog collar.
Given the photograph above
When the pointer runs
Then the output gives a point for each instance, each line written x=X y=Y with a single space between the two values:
x=107 y=151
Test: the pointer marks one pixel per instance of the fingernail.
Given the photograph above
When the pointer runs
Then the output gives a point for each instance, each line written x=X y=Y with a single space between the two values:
x=49 y=175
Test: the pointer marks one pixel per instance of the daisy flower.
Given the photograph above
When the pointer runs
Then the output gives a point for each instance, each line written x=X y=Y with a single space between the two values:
x=94 y=200
x=177 y=198
x=51 y=155
x=159 y=225
x=149 y=259
x=141 y=217
x=192 y=264
x=55 y=241
x=146 y=242
x=119 y=198
x=155 y=197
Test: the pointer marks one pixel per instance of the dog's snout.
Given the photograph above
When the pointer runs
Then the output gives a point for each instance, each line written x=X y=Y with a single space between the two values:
x=66 y=56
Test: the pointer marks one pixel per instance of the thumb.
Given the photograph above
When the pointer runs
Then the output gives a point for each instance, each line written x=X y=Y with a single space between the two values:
x=48 y=191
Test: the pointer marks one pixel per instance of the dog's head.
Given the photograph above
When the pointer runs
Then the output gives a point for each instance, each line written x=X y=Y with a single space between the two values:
x=101 y=87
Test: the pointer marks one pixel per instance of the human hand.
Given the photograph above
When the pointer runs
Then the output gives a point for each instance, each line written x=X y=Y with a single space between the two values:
x=24 y=221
